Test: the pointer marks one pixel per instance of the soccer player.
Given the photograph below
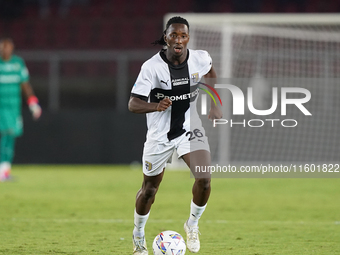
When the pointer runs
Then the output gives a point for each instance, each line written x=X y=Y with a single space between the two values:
x=14 y=77
x=166 y=89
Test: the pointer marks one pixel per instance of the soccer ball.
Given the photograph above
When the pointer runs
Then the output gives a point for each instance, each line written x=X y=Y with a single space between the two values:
x=168 y=243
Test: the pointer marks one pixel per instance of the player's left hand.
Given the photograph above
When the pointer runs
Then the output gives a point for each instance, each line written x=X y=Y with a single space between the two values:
x=35 y=110
x=33 y=105
x=215 y=113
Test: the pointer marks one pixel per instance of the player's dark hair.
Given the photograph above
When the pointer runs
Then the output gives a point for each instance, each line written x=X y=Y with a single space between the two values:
x=6 y=39
x=173 y=20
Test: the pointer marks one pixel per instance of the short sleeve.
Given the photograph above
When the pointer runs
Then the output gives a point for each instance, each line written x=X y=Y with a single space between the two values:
x=24 y=74
x=143 y=83
x=205 y=60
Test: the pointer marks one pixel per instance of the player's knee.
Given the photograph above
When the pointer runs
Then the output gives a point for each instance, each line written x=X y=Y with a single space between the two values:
x=149 y=193
x=203 y=183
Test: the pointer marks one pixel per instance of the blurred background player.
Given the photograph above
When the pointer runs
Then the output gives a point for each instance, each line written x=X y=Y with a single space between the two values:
x=14 y=77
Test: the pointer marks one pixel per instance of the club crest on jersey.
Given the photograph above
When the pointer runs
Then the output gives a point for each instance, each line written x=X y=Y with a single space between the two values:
x=148 y=165
x=195 y=77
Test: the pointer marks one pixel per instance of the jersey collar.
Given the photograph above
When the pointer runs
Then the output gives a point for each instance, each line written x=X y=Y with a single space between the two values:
x=163 y=56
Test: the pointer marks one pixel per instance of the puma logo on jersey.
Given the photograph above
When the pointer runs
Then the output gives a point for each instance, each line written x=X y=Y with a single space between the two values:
x=166 y=83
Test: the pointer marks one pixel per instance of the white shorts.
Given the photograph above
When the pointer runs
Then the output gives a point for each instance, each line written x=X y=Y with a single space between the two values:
x=157 y=154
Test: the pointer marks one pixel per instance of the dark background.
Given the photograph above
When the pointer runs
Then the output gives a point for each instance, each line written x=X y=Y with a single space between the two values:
x=87 y=125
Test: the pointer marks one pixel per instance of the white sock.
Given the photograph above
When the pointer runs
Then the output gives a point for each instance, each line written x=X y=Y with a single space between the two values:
x=4 y=166
x=139 y=221
x=195 y=214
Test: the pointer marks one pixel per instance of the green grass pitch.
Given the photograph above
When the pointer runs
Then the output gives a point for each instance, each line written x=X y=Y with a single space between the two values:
x=89 y=210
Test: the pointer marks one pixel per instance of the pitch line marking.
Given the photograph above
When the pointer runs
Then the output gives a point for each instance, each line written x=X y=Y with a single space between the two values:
x=65 y=220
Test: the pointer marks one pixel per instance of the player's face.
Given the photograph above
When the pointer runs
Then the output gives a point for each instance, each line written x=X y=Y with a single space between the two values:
x=177 y=38
x=6 y=49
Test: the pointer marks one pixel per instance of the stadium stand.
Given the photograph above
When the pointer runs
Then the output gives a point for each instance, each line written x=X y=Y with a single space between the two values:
x=121 y=24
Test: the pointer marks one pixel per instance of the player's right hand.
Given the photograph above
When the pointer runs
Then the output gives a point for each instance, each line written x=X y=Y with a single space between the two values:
x=164 y=104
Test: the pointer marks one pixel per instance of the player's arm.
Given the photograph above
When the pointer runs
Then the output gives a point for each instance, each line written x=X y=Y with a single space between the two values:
x=211 y=78
x=138 y=102
x=31 y=99
x=138 y=105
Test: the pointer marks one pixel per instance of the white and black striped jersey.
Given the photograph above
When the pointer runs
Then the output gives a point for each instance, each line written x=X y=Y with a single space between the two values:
x=158 y=79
